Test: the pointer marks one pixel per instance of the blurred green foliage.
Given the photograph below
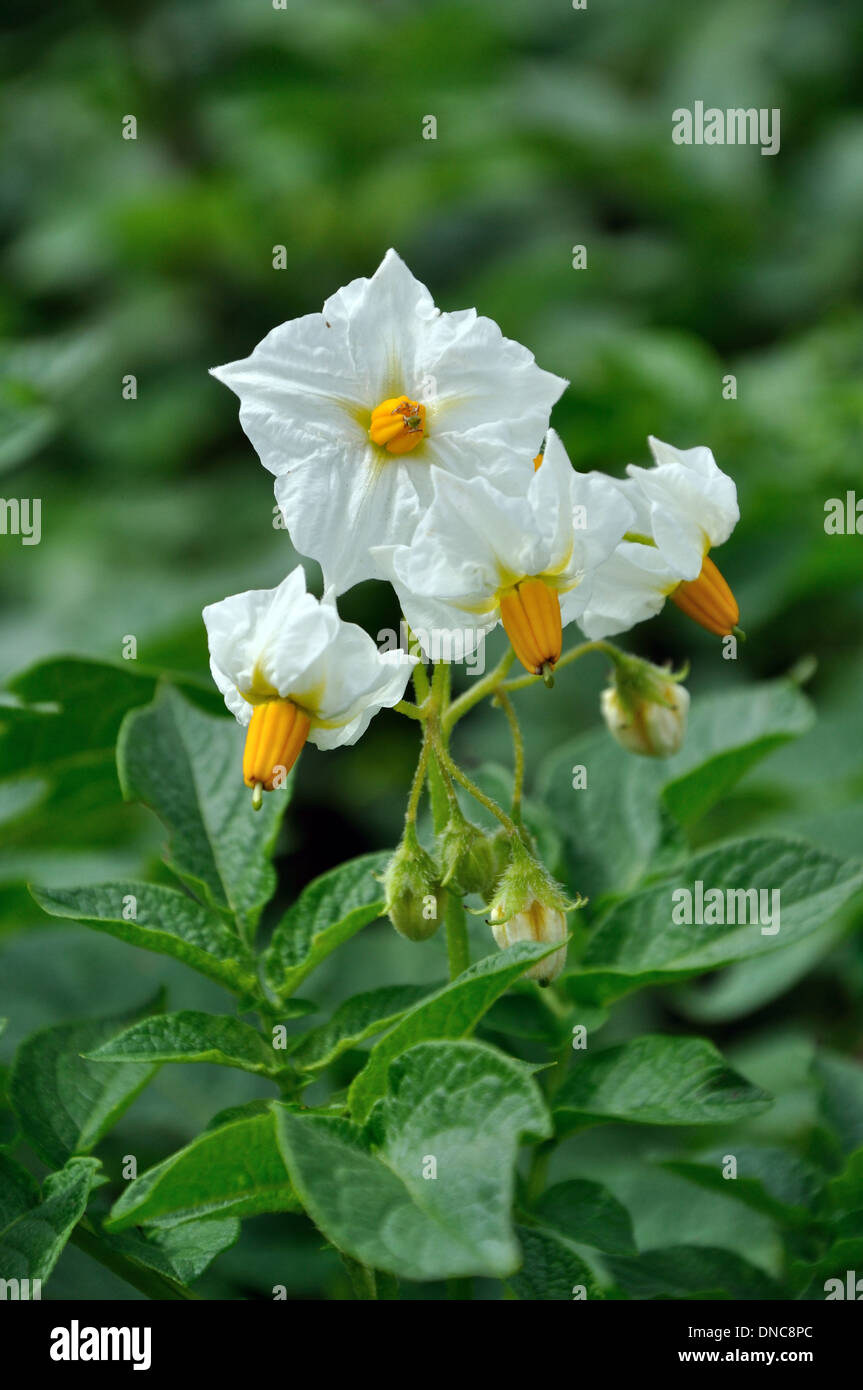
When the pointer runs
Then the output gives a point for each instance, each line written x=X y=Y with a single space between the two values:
x=259 y=127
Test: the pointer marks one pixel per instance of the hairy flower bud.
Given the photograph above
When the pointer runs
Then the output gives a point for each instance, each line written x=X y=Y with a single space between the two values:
x=469 y=859
x=530 y=906
x=412 y=889
x=645 y=708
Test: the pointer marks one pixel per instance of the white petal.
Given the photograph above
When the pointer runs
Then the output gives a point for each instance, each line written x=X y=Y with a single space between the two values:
x=350 y=683
x=693 y=504
x=629 y=587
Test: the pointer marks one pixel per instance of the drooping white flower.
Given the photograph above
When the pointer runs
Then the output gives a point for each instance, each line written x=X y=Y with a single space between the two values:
x=290 y=669
x=350 y=408
x=479 y=556
x=683 y=506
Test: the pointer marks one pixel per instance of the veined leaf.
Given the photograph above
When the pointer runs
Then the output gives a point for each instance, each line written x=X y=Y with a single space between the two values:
x=31 y=1244
x=191 y=1036
x=166 y=921
x=587 y=1213
x=452 y=1012
x=330 y=910
x=655 y=1080
x=354 y=1021
x=187 y=767
x=235 y=1170
x=551 y=1271
x=408 y=1194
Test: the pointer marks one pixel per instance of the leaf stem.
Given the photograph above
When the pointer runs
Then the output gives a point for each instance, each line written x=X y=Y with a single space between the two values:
x=574 y=654
x=477 y=692
x=149 y=1282
x=458 y=950
x=502 y=699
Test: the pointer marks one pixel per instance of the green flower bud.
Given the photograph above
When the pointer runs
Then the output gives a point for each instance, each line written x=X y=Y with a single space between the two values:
x=645 y=708
x=530 y=906
x=469 y=859
x=412 y=889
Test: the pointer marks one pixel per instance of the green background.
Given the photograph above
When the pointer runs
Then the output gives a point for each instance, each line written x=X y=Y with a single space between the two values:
x=260 y=127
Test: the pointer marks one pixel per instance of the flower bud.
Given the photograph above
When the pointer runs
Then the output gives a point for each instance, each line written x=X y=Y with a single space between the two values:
x=530 y=906
x=412 y=889
x=645 y=708
x=469 y=858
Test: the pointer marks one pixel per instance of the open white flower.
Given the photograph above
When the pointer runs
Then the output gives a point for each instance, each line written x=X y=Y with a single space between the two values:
x=351 y=407
x=479 y=556
x=291 y=670
x=683 y=506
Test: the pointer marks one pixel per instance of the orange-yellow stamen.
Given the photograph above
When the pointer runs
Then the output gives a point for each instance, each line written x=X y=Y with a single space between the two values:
x=274 y=740
x=530 y=613
x=398 y=424
x=537 y=461
x=708 y=600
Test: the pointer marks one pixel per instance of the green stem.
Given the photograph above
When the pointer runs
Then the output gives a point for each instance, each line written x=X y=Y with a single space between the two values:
x=412 y=711
x=363 y=1281
x=455 y=771
x=458 y=951
x=477 y=692
x=418 y=780
x=420 y=675
x=574 y=654
x=518 y=752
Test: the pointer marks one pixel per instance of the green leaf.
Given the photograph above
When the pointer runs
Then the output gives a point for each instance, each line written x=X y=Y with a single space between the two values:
x=65 y=1104
x=181 y=1252
x=655 y=1080
x=551 y=1270
x=330 y=910
x=452 y=1012
x=727 y=734
x=841 y=1083
x=692 y=1271
x=30 y=1245
x=771 y=1180
x=236 y=1170
x=187 y=767
x=638 y=942
x=166 y=921
x=18 y=1190
x=614 y=826
x=587 y=1213
x=191 y=1036
x=366 y=1189
x=354 y=1021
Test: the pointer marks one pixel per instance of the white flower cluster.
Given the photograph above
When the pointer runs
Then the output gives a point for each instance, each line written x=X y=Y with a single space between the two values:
x=405 y=445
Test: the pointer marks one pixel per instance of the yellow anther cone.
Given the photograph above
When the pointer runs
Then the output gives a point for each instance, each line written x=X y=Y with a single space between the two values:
x=398 y=424
x=274 y=740
x=708 y=600
x=531 y=617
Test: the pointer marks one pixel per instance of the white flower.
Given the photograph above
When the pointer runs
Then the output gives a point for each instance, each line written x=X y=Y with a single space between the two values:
x=683 y=506
x=291 y=669
x=480 y=556
x=382 y=363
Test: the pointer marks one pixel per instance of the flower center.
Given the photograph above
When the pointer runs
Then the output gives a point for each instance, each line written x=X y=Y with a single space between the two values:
x=274 y=741
x=530 y=613
x=708 y=600
x=398 y=424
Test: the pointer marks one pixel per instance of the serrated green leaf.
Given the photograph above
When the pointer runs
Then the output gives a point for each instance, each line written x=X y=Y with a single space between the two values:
x=191 y=1036
x=551 y=1271
x=187 y=767
x=65 y=1104
x=638 y=942
x=587 y=1213
x=166 y=921
x=355 y=1020
x=31 y=1244
x=452 y=1012
x=235 y=1170
x=692 y=1271
x=330 y=910
x=655 y=1080
x=371 y=1191
x=771 y=1180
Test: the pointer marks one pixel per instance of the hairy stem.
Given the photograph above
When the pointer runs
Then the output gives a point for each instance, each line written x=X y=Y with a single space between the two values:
x=458 y=951
x=506 y=705
x=477 y=692
x=574 y=653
